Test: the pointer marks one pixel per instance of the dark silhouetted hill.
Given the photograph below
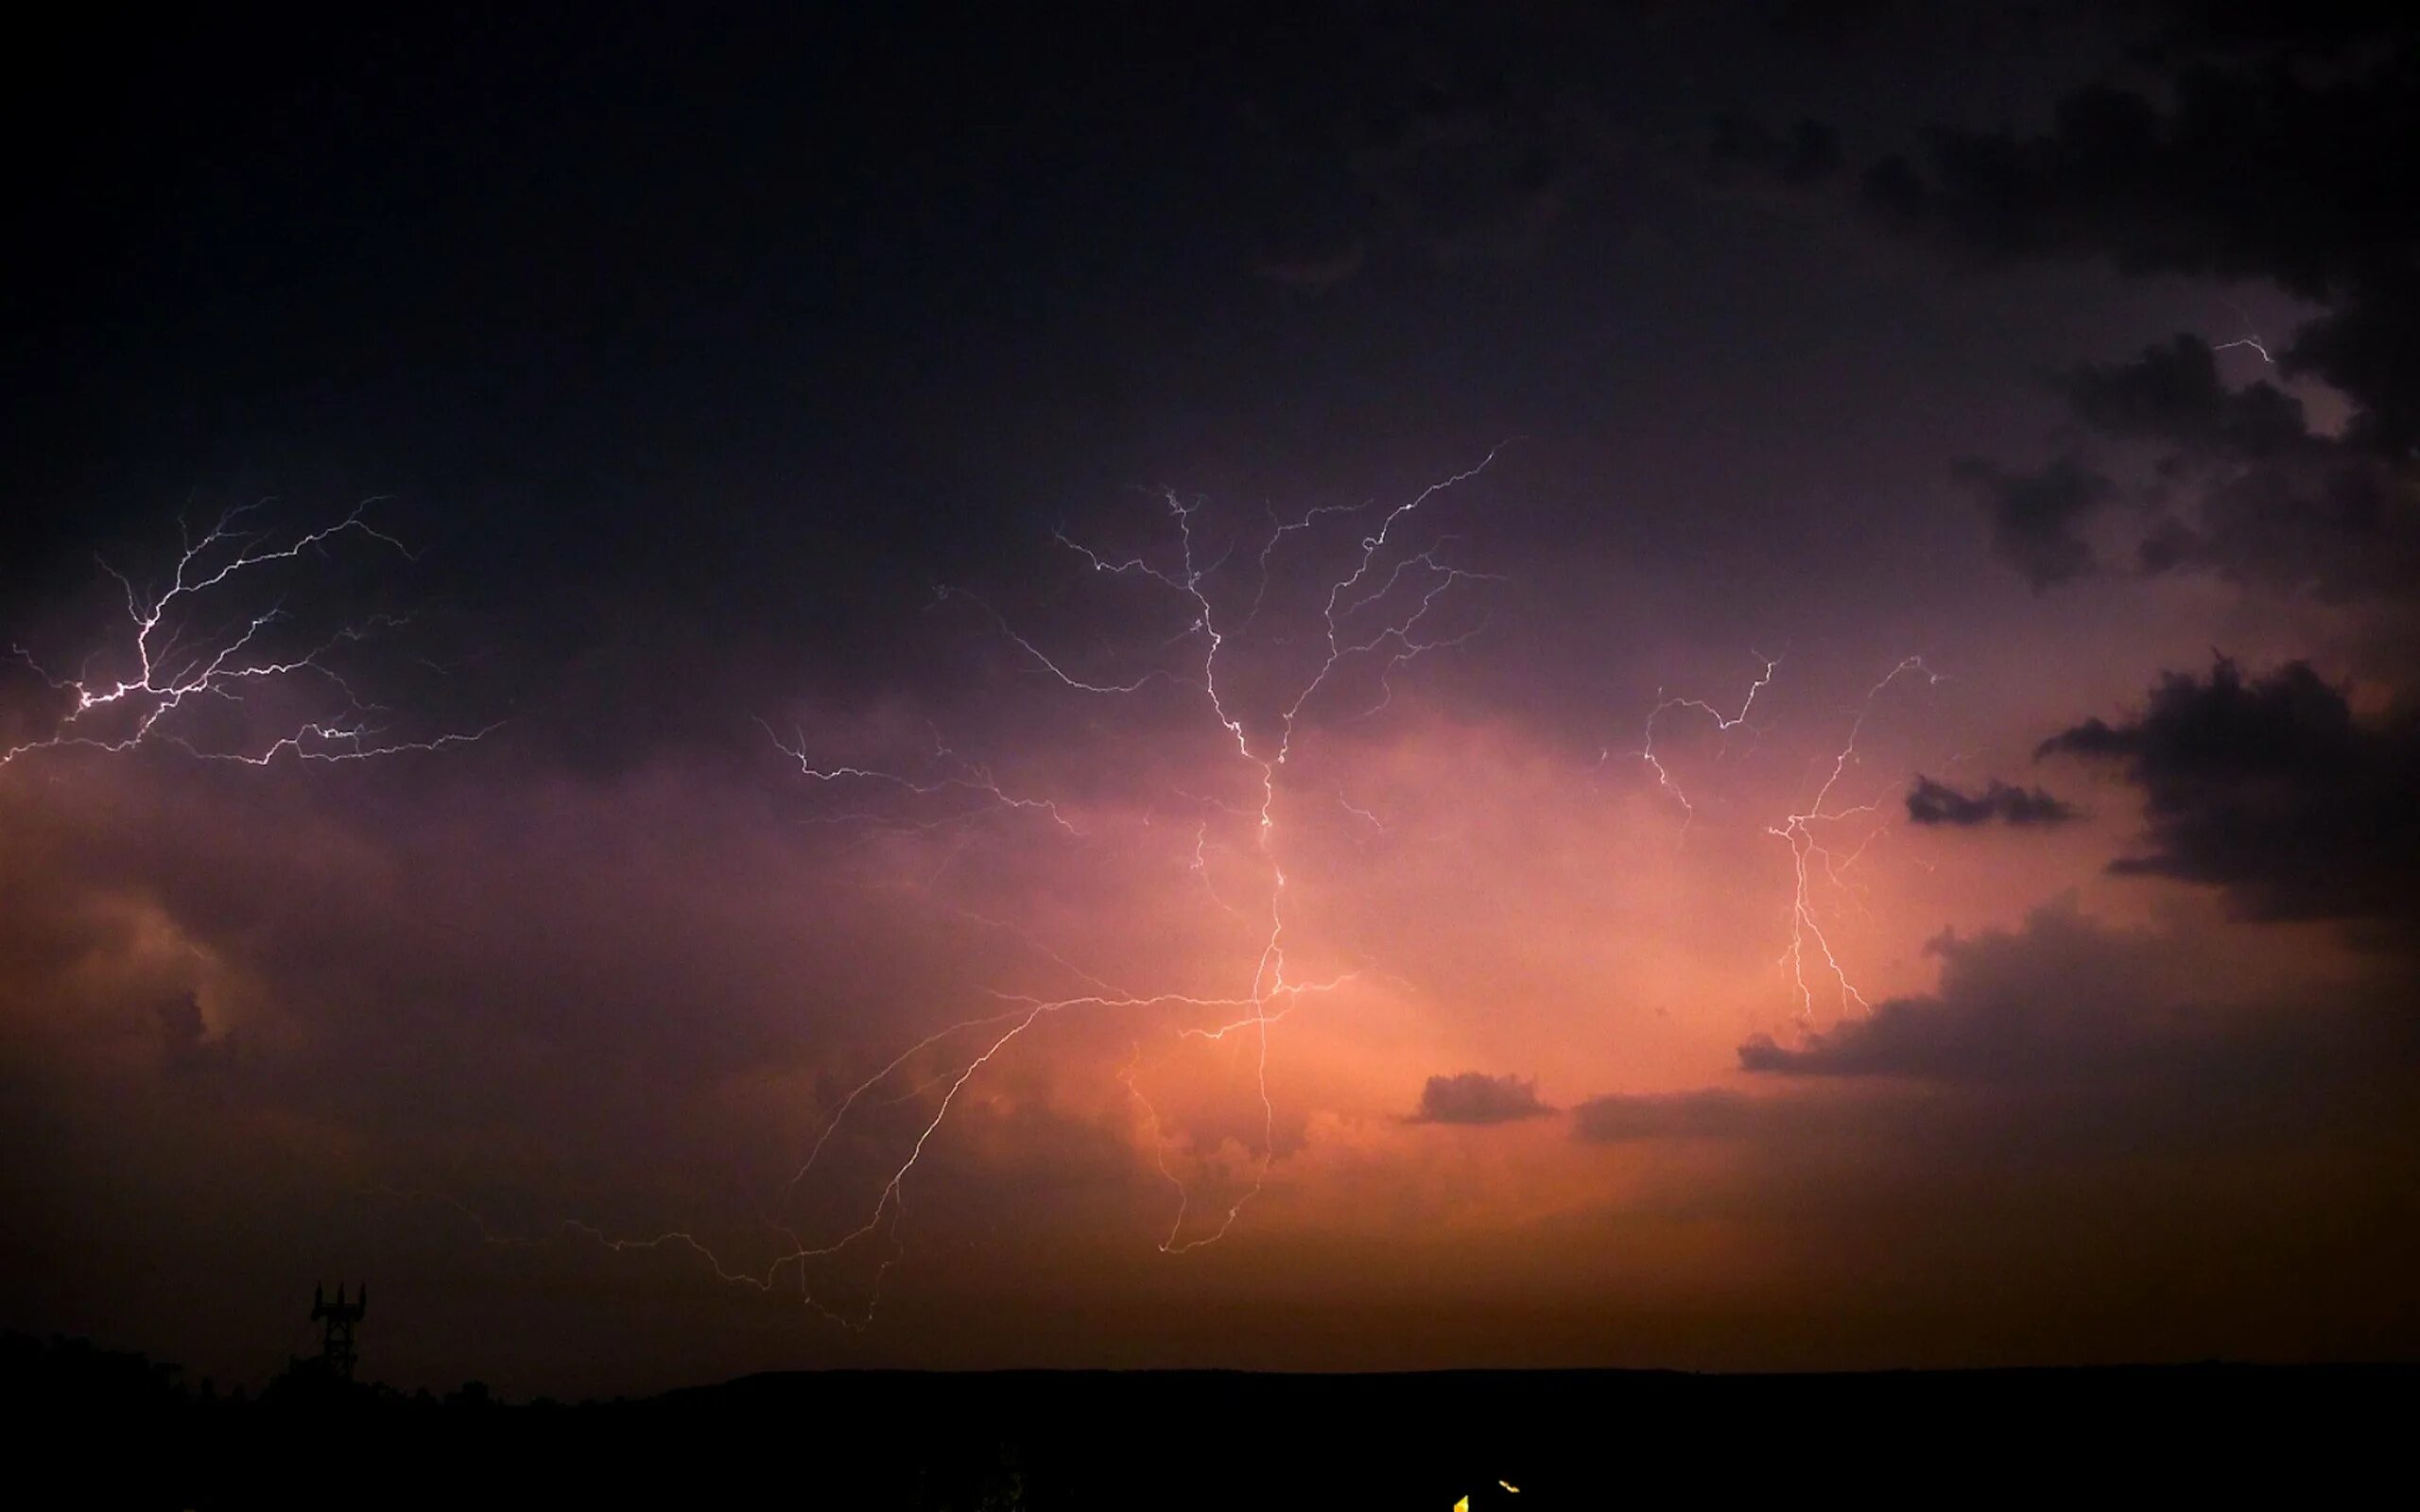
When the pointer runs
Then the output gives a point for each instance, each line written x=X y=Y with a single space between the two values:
x=1056 y=1439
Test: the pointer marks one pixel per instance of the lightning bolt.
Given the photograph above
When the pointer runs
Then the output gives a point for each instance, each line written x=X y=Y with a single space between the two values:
x=1722 y=723
x=176 y=662
x=1809 y=855
x=1381 y=610
x=2250 y=338
x=959 y=774
x=1798 y=831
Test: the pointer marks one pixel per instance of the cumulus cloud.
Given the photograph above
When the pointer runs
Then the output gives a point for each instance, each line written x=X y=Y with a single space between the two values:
x=2272 y=501
x=1938 y=803
x=1475 y=1097
x=2060 y=998
x=2239 y=486
x=2067 y=1006
x=2270 y=789
x=2255 y=156
x=2172 y=392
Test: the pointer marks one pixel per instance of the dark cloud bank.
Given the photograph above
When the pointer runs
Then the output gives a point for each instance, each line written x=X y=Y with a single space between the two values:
x=2271 y=789
x=2062 y=999
x=2244 y=150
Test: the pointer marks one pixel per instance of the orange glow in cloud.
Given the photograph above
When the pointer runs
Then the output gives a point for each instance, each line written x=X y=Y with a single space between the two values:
x=1019 y=1004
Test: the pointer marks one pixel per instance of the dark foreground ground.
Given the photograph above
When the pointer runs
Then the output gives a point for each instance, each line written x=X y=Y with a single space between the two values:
x=114 y=1430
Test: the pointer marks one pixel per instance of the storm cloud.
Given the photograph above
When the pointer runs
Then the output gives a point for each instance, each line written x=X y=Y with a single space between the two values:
x=2062 y=998
x=2250 y=156
x=2270 y=788
x=2038 y=517
x=733 y=448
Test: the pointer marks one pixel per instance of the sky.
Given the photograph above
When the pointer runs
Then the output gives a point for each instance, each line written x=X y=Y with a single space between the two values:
x=1327 y=687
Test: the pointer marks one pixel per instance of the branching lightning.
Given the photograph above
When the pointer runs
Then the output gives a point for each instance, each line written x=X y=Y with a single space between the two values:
x=189 y=648
x=2251 y=337
x=1798 y=831
x=1722 y=723
x=1808 y=853
x=185 y=647
x=1381 y=610
x=958 y=775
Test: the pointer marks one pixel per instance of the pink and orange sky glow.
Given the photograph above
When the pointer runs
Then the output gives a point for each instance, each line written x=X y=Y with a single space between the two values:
x=1711 y=755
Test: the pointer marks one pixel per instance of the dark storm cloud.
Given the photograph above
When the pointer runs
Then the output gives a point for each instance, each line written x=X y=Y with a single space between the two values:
x=1617 y=1119
x=2229 y=165
x=1809 y=153
x=1830 y=23
x=1440 y=139
x=2300 y=29
x=2244 y=172
x=2038 y=518
x=2173 y=394
x=1931 y=802
x=2085 y=1097
x=2344 y=529
x=704 y=360
x=1475 y=1097
x=2274 y=503
x=2271 y=789
x=1475 y=173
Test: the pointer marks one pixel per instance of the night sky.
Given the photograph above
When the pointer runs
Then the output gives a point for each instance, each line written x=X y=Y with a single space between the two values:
x=1838 y=586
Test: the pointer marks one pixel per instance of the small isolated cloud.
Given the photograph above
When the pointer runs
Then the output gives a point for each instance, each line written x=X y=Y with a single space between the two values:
x=1475 y=1097
x=1931 y=802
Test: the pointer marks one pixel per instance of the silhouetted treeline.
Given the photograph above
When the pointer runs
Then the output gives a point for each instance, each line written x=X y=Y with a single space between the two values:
x=1139 y=1440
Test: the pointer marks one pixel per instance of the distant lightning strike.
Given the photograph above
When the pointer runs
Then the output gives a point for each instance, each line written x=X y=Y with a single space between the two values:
x=1377 y=825
x=1797 y=830
x=1267 y=995
x=1351 y=632
x=2250 y=339
x=1806 y=937
x=176 y=665
x=962 y=776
